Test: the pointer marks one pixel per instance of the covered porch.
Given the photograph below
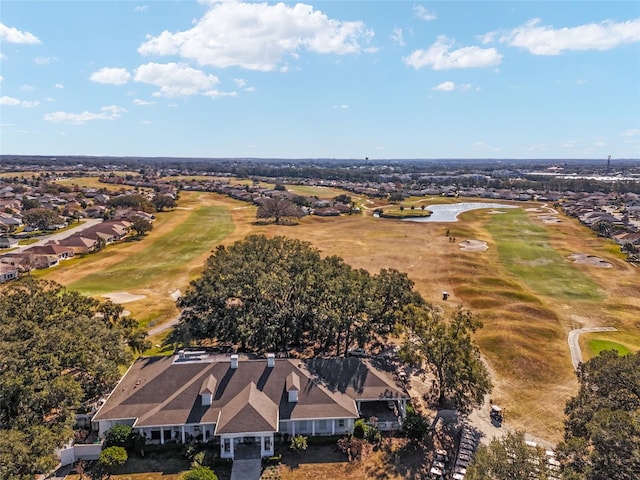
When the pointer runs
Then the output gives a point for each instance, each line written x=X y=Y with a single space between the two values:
x=386 y=415
x=162 y=434
x=246 y=445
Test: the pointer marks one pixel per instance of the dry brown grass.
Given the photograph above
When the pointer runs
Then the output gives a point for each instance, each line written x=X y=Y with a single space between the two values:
x=396 y=459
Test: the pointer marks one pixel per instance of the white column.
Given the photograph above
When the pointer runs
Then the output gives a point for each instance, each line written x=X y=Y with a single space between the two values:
x=333 y=427
x=261 y=445
x=313 y=428
x=293 y=428
x=231 y=440
x=161 y=436
x=182 y=432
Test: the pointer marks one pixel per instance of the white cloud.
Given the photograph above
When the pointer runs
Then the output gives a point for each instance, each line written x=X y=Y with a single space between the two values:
x=546 y=40
x=240 y=82
x=27 y=88
x=175 y=79
x=141 y=9
x=1 y=78
x=631 y=132
x=143 y=103
x=44 y=60
x=439 y=56
x=110 y=112
x=14 y=102
x=449 y=86
x=217 y=94
x=424 y=14
x=259 y=36
x=342 y=107
x=111 y=76
x=397 y=37
x=13 y=35
x=2 y=56
x=59 y=85
x=445 y=87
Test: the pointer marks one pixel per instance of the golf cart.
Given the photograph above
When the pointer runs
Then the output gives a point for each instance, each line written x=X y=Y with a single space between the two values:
x=496 y=413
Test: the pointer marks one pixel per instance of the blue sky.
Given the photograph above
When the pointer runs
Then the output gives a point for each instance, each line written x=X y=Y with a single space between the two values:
x=321 y=79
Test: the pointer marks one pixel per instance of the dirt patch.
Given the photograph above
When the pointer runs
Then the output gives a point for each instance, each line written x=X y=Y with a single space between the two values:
x=123 y=297
x=473 y=246
x=549 y=219
x=592 y=260
x=495 y=212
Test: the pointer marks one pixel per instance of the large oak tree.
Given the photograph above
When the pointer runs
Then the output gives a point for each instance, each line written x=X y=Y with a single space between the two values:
x=272 y=294
x=56 y=353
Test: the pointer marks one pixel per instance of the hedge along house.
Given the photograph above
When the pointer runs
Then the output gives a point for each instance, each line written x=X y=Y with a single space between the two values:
x=230 y=401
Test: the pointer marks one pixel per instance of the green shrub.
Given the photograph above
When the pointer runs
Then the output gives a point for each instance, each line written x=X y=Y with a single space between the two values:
x=359 y=428
x=112 y=458
x=200 y=473
x=118 y=436
x=298 y=443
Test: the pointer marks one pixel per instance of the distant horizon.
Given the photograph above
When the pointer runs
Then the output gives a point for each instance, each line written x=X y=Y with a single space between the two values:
x=321 y=79
x=53 y=157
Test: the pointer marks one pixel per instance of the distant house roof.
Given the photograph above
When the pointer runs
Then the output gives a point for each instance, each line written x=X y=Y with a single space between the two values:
x=167 y=391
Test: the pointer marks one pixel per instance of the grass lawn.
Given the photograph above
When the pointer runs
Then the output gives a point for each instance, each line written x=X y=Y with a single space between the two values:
x=598 y=345
x=526 y=252
x=165 y=256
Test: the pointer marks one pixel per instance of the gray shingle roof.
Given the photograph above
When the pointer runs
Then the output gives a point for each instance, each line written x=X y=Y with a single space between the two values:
x=165 y=391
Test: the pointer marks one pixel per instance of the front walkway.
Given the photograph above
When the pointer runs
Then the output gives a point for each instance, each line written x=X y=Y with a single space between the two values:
x=246 y=469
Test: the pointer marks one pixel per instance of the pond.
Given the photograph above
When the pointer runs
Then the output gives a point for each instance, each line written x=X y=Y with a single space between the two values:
x=449 y=212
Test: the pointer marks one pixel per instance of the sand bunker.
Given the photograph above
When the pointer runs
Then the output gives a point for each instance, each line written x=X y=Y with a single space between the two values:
x=494 y=212
x=123 y=297
x=473 y=246
x=589 y=260
x=549 y=219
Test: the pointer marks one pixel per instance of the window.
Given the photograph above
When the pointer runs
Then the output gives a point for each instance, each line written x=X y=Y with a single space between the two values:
x=227 y=445
x=341 y=423
x=267 y=443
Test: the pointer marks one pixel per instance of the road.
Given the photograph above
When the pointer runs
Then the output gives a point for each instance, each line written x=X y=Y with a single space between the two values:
x=60 y=235
x=163 y=327
x=574 y=346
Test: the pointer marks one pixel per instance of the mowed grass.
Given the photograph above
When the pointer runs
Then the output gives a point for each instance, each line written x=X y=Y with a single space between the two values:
x=526 y=252
x=166 y=256
x=598 y=345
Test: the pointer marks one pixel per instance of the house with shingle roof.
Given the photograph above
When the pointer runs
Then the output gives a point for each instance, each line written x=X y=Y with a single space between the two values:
x=232 y=400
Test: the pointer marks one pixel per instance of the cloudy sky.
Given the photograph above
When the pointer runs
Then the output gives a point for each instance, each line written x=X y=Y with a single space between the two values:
x=330 y=79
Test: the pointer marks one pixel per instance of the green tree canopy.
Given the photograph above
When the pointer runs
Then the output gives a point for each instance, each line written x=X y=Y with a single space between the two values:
x=141 y=226
x=509 y=458
x=270 y=294
x=55 y=354
x=279 y=208
x=41 y=218
x=112 y=458
x=602 y=429
x=449 y=348
x=134 y=200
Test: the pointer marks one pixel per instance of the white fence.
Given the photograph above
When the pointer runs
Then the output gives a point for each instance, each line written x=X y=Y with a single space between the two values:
x=70 y=455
